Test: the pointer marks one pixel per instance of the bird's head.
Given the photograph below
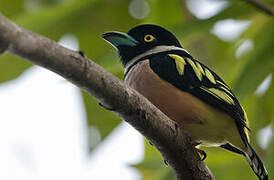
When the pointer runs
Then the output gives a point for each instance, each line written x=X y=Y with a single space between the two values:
x=139 y=40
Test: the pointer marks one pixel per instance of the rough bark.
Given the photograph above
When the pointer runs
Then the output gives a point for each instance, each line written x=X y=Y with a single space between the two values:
x=173 y=144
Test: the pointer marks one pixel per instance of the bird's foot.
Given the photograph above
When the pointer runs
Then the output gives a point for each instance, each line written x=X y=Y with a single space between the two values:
x=166 y=163
x=201 y=152
x=107 y=108
x=82 y=53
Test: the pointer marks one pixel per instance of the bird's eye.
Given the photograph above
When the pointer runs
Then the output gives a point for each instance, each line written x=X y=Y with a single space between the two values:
x=148 y=38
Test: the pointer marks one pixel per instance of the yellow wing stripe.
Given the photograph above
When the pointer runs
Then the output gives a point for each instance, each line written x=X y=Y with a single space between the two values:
x=210 y=76
x=225 y=87
x=226 y=90
x=195 y=69
x=219 y=94
x=222 y=95
x=200 y=68
x=200 y=71
x=247 y=123
x=180 y=63
x=223 y=84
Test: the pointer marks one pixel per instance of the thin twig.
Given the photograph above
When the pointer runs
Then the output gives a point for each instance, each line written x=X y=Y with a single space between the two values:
x=260 y=5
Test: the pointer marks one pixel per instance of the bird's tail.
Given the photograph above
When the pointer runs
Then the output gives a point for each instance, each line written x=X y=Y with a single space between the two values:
x=255 y=163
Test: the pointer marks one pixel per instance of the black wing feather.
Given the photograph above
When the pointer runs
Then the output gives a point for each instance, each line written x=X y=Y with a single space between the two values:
x=163 y=65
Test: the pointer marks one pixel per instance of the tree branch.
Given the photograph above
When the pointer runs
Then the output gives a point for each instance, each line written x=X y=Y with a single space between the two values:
x=173 y=144
x=260 y=5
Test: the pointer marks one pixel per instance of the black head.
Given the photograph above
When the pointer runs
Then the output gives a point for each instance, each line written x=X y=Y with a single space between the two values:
x=139 y=40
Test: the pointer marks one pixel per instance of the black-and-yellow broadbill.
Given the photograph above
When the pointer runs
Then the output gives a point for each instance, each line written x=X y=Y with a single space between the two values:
x=187 y=91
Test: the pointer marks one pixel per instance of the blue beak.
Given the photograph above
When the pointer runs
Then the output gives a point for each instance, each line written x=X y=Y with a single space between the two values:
x=119 y=39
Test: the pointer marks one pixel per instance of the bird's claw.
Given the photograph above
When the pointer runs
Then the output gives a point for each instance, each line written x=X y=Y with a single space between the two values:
x=82 y=53
x=107 y=108
x=166 y=163
x=201 y=152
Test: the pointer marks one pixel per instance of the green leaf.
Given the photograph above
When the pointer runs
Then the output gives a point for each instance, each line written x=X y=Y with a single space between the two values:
x=174 y=15
x=260 y=63
x=270 y=157
x=11 y=67
x=267 y=102
x=11 y=9
x=41 y=21
x=197 y=26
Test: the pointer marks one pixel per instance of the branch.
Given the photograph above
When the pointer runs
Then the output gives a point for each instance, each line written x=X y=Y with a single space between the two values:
x=260 y=5
x=173 y=144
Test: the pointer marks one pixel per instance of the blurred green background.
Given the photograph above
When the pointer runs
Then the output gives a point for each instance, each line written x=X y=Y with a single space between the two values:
x=235 y=39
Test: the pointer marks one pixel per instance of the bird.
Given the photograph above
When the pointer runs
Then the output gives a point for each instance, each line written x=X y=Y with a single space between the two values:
x=186 y=90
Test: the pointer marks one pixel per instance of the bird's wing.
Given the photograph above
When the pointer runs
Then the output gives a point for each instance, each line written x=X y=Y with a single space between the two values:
x=192 y=76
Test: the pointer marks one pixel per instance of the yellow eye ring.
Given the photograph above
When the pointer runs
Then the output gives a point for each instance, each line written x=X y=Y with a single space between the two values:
x=148 y=38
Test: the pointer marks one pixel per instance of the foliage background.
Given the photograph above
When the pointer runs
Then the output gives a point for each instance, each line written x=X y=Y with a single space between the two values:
x=245 y=61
